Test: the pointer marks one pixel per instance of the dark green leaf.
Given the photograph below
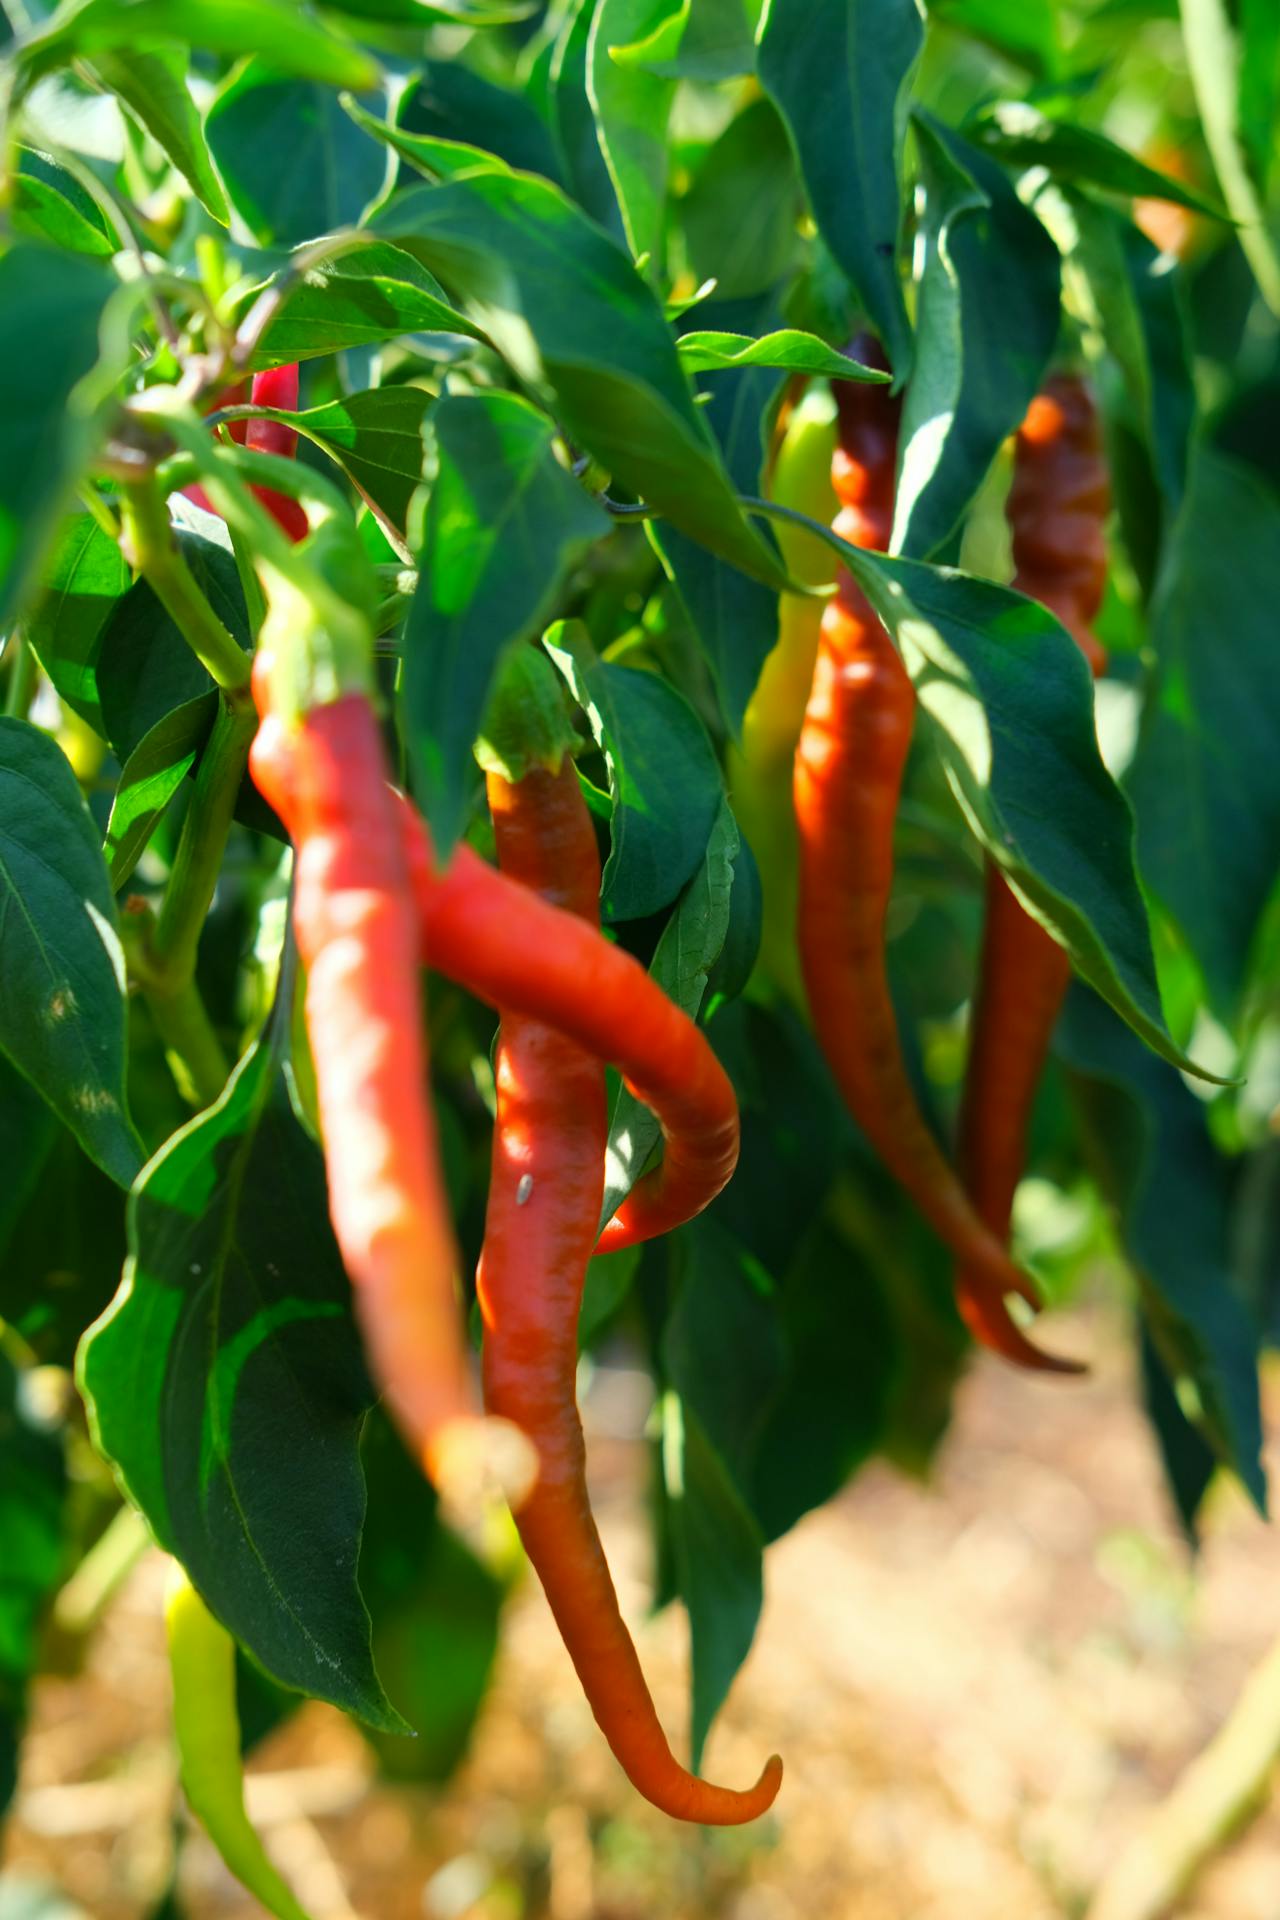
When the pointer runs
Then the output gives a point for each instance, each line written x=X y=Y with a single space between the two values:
x=632 y=105
x=1189 y=1461
x=734 y=618
x=986 y=326
x=690 y=945
x=503 y=528
x=435 y=1608
x=151 y=776
x=1020 y=135
x=739 y=217
x=664 y=781
x=27 y=1133
x=719 y=1562
x=359 y=299
x=573 y=124
x=83 y=580
x=1205 y=780
x=49 y=203
x=274 y=29
x=51 y=306
x=1129 y=294
x=151 y=81
x=32 y=1486
x=566 y=308
x=144 y=667
x=225 y=1384
x=793 y=351
x=840 y=72
x=1156 y=1162
x=451 y=102
x=333 y=171
x=1010 y=701
x=62 y=1009
x=376 y=438
x=63 y=1257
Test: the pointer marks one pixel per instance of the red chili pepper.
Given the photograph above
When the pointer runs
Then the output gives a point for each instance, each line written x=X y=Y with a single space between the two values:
x=358 y=937
x=1057 y=509
x=540 y=1229
x=521 y=954
x=848 y=776
x=276 y=387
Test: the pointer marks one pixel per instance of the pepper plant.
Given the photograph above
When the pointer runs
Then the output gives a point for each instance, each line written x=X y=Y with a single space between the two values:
x=417 y=342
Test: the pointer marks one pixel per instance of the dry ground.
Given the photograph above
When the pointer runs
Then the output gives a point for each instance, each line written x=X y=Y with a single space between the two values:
x=978 y=1687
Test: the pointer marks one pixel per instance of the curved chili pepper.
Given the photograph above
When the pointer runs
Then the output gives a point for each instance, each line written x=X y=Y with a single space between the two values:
x=522 y=955
x=276 y=387
x=547 y=1179
x=358 y=937
x=1057 y=509
x=848 y=776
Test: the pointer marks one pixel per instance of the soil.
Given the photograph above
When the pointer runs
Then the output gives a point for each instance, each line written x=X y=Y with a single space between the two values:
x=979 y=1687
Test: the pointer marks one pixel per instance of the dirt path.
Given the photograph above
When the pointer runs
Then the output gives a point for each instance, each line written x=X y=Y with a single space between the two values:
x=978 y=1686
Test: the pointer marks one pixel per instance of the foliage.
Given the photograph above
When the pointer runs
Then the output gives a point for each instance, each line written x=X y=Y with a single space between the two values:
x=557 y=275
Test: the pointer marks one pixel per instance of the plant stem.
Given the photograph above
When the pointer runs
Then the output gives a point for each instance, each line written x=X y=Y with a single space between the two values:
x=1221 y=1790
x=159 y=560
x=163 y=955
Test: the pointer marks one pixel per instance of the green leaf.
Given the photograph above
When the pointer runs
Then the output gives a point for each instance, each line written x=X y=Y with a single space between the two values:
x=564 y=306
x=705 y=40
x=719 y=1562
x=151 y=81
x=1019 y=134
x=788 y=348
x=275 y=30
x=734 y=617
x=376 y=438
x=573 y=124
x=632 y=105
x=664 y=780
x=144 y=668
x=51 y=306
x=1157 y=1164
x=1189 y=1461
x=334 y=170
x=436 y=1612
x=62 y=1007
x=986 y=326
x=739 y=219
x=27 y=1133
x=226 y=1386
x=32 y=1489
x=1214 y=58
x=151 y=776
x=358 y=299
x=83 y=580
x=451 y=101
x=1259 y=95
x=49 y=203
x=840 y=72
x=1129 y=295
x=1010 y=702
x=1030 y=32
x=63 y=1254
x=687 y=951
x=504 y=527
x=1205 y=781
x=422 y=13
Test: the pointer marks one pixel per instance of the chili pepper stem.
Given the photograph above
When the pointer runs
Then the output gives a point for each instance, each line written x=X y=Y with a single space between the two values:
x=20 y=691
x=162 y=953
x=149 y=543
